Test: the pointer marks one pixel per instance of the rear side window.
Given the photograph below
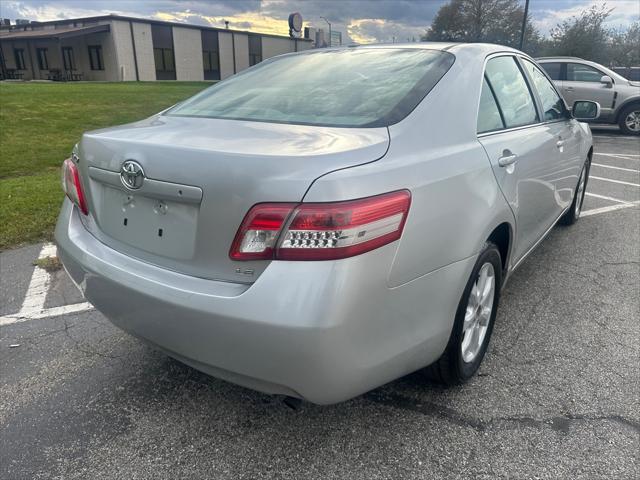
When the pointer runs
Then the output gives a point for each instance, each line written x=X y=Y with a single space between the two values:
x=552 y=104
x=489 y=118
x=552 y=69
x=356 y=87
x=576 y=72
x=511 y=91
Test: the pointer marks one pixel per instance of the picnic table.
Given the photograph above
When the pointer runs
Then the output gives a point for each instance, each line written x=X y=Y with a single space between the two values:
x=15 y=74
x=58 y=75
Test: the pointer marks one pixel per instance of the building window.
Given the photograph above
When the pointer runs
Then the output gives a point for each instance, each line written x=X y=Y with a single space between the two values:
x=67 y=58
x=164 y=60
x=162 y=39
x=210 y=55
x=211 y=63
x=18 y=53
x=43 y=63
x=255 y=49
x=95 y=57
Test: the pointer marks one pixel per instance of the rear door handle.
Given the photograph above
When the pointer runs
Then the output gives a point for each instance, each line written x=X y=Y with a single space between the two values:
x=507 y=160
x=569 y=89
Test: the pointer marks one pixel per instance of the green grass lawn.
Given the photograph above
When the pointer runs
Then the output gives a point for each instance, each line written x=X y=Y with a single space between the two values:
x=40 y=123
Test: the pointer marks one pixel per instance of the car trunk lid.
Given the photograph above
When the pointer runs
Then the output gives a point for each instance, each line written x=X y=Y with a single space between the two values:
x=201 y=176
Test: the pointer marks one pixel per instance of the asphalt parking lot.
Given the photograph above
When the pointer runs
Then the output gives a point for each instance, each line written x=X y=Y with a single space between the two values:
x=557 y=397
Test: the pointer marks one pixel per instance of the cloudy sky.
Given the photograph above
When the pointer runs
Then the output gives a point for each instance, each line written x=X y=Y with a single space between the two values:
x=362 y=21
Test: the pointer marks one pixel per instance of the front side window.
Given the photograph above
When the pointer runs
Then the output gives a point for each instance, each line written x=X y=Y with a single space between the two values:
x=552 y=105
x=18 y=53
x=95 y=57
x=577 y=72
x=553 y=69
x=511 y=91
x=358 y=87
x=43 y=62
x=489 y=117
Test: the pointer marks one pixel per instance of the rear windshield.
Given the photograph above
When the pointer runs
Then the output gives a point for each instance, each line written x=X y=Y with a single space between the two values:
x=340 y=88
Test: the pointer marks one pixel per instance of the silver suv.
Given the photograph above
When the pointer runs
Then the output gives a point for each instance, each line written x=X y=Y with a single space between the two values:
x=579 y=79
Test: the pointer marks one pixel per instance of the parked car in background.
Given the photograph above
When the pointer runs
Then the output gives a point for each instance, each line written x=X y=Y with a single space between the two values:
x=327 y=221
x=580 y=79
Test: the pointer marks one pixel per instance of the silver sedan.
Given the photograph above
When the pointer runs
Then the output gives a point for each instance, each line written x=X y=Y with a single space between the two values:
x=328 y=221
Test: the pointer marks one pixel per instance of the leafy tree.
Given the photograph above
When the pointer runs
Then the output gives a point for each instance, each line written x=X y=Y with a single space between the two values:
x=583 y=36
x=500 y=21
x=625 y=47
x=491 y=21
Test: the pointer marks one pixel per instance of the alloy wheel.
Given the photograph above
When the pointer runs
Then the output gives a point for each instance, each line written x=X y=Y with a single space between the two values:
x=632 y=121
x=478 y=313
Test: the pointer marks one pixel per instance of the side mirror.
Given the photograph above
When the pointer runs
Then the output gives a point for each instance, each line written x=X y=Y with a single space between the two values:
x=585 y=110
x=607 y=80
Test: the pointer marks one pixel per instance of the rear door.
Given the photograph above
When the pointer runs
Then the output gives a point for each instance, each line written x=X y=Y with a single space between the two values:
x=521 y=149
x=582 y=82
x=559 y=123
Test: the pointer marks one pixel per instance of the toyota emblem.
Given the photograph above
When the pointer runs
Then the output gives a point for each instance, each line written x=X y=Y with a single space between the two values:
x=131 y=174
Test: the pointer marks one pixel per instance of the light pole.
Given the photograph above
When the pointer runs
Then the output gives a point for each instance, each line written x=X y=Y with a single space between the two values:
x=328 y=23
x=524 y=23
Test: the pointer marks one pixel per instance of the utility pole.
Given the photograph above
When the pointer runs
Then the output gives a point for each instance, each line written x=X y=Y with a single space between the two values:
x=328 y=23
x=524 y=23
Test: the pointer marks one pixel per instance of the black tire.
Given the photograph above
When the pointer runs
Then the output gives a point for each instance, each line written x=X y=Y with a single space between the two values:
x=623 y=117
x=572 y=215
x=451 y=368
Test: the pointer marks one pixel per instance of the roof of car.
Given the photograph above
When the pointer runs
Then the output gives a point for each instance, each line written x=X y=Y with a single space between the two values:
x=560 y=58
x=481 y=48
x=431 y=45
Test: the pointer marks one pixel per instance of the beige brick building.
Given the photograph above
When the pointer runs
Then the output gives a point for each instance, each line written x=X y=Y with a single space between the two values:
x=117 y=48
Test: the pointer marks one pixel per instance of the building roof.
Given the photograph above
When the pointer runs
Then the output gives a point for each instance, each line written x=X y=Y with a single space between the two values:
x=113 y=16
x=64 y=32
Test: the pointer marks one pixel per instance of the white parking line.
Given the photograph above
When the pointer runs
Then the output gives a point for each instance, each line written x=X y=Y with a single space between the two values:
x=611 y=199
x=33 y=304
x=46 y=313
x=615 y=168
x=591 y=177
x=596 y=211
x=624 y=156
x=38 y=286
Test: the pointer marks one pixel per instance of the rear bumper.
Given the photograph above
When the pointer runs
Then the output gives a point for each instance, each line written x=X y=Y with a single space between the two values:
x=323 y=331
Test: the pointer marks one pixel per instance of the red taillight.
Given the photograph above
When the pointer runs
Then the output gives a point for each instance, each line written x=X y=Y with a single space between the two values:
x=322 y=231
x=258 y=233
x=71 y=185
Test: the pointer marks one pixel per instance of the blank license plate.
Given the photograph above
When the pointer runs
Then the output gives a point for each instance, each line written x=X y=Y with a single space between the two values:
x=157 y=226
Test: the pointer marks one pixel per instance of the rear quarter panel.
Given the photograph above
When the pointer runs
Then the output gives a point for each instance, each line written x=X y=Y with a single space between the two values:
x=434 y=152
